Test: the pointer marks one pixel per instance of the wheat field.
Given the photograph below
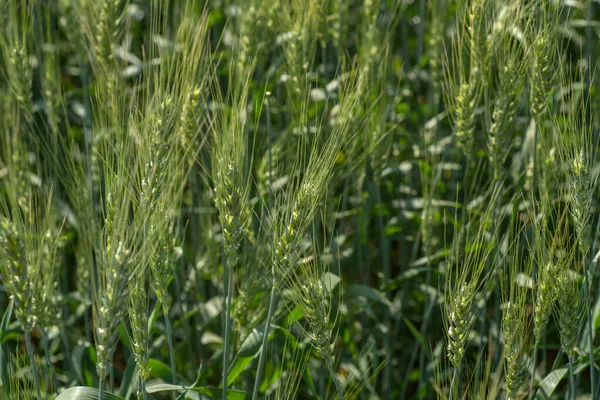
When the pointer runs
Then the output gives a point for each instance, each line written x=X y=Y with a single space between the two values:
x=299 y=199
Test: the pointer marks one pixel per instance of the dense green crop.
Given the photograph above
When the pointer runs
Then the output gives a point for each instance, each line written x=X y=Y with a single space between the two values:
x=290 y=199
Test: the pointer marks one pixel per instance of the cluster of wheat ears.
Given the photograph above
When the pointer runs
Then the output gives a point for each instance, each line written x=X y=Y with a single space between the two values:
x=278 y=199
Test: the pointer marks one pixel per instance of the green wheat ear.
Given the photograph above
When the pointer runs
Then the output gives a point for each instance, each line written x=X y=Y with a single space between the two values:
x=511 y=75
x=15 y=273
x=515 y=321
x=543 y=72
x=467 y=71
x=138 y=320
x=16 y=40
x=465 y=277
x=550 y=261
x=229 y=163
x=570 y=312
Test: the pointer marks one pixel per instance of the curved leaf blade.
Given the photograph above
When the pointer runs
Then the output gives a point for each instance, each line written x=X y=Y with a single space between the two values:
x=85 y=393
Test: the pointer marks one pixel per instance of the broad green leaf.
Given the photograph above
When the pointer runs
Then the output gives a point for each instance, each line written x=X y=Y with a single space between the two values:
x=550 y=382
x=159 y=369
x=212 y=392
x=368 y=293
x=217 y=393
x=248 y=351
x=239 y=365
x=294 y=315
x=270 y=379
x=251 y=345
x=85 y=393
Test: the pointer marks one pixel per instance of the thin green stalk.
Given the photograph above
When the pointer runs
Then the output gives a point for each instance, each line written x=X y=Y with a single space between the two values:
x=50 y=366
x=185 y=323
x=143 y=388
x=418 y=349
x=338 y=387
x=322 y=387
x=272 y=300
x=4 y=367
x=428 y=307
x=497 y=289
x=590 y=330
x=533 y=365
x=270 y=151
x=572 y=379
x=261 y=360
x=387 y=373
x=229 y=279
x=33 y=367
x=545 y=346
x=101 y=389
x=411 y=362
x=454 y=383
x=170 y=343
x=592 y=268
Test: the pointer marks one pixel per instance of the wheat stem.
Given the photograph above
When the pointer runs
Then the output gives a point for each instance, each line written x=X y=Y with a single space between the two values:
x=33 y=367
x=51 y=371
x=227 y=272
x=170 y=343
x=454 y=383
x=263 y=350
x=338 y=387
x=143 y=388
x=572 y=379
x=590 y=330
x=533 y=365
x=101 y=389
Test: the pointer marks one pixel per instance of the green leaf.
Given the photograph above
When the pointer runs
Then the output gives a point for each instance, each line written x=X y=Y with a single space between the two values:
x=238 y=367
x=212 y=392
x=85 y=393
x=270 y=379
x=294 y=316
x=159 y=369
x=163 y=387
x=217 y=393
x=78 y=355
x=330 y=281
x=368 y=293
x=248 y=351
x=413 y=329
x=3 y=328
x=550 y=383
x=154 y=315
x=251 y=345
x=311 y=384
x=6 y=320
x=128 y=377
